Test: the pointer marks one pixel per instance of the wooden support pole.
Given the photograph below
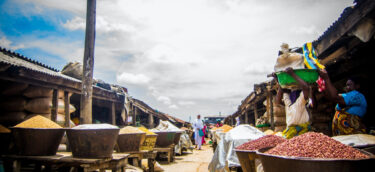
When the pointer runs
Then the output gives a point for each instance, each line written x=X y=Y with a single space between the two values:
x=88 y=64
x=135 y=113
x=150 y=121
x=270 y=107
x=255 y=113
x=55 y=105
x=113 y=113
x=246 y=118
x=66 y=109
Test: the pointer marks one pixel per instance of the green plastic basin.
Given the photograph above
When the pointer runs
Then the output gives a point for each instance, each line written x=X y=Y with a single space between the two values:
x=308 y=75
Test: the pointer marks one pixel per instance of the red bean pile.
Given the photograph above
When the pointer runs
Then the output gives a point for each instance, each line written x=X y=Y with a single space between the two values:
x=263 y=142
x=316 y=145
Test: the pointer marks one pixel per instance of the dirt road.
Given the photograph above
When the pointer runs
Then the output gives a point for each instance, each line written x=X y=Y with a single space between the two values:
x=190 y=162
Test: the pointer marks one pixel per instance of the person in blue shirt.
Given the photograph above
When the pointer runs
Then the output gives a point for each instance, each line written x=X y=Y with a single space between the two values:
x=350 y=109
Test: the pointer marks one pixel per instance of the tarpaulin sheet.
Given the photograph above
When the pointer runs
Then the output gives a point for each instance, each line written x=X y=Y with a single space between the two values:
x=356 y=140
x=225 y=155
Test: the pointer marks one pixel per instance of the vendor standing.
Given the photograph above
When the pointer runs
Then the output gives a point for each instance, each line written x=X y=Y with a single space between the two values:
x=198 y=125
x=295 y=101
x=350 y=106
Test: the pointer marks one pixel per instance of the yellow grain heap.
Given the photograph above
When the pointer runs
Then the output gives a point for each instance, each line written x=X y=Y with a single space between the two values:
x=38 y=122
x=225 y=128
x=4 y=129
x=148 y=132
x=130 y=129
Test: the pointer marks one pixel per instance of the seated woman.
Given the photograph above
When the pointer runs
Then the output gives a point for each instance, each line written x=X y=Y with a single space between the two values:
x=351 y=106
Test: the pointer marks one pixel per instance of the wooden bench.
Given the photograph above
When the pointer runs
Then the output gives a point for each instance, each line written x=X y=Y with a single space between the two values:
x=65 y=159
x=169 y=150
x=137 y=157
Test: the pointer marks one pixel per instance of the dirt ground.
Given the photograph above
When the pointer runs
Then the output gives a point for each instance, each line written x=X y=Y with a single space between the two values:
x=197 y=161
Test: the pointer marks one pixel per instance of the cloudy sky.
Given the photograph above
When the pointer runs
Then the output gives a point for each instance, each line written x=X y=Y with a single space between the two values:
x=181 y=57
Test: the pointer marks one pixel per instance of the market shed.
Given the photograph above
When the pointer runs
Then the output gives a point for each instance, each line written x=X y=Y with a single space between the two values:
x=148 y=116
x=18 y=73
x=346 y=48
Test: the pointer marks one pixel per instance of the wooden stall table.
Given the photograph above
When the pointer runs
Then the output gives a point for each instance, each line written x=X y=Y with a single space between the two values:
x=65 y=159
x=143 y=154
x=169 y=150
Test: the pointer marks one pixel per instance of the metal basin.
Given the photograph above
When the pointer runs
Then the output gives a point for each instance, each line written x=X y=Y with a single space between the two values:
x=247 y=160
x=177 y=137
x=274 y=163
x=37 y=141
x=92 y=143
x=130 y=142
x=5 y=143
x=165 y=138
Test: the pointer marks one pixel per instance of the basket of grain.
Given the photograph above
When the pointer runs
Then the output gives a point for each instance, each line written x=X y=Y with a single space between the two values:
x=314 y=152
x=130 y=139
x=150 y=139
x=92 y=140
x=37 y=136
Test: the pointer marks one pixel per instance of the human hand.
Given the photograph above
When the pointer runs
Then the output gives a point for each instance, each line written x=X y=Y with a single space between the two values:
x=289 y=71
x=323 y=74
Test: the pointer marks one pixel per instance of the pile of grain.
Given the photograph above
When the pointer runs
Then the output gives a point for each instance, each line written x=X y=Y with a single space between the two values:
x=4 y=129
x=38 y=122
x=225 y=128
x=263 y=142
x=130 y=129
x=148 y=132
x=316 y=145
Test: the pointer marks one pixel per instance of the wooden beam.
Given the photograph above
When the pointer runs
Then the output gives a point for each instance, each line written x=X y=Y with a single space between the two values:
x=255 y=112
x=66 y=108
x=135 y=113
x=55 y=105
x=150 y=121
x=88 y=64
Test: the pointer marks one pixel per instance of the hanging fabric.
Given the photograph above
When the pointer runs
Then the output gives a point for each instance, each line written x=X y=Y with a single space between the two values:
x=310 y=59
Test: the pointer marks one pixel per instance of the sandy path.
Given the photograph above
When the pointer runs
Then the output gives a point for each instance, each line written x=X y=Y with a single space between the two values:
x=190 y=162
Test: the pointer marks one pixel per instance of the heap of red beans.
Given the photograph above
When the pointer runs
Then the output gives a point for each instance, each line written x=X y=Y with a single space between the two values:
x=263 y=142
x=316 y=145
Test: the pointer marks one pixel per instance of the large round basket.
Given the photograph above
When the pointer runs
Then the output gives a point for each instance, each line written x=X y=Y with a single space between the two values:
x=37 y=141
x=92 y=143
x=130 y=142
x=274 y=163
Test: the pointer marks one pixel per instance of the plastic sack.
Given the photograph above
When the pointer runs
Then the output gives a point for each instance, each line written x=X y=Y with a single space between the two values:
x=288 y=59
x=356 y=140
x=225 y=155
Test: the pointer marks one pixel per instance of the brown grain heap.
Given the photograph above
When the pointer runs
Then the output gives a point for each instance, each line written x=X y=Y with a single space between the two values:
x=4 y=129
x=130 y=129
x=263 y=142
x=316 y=145
x=38 y=122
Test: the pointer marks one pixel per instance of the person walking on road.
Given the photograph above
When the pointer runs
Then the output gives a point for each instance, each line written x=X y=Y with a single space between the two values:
x=198 y=132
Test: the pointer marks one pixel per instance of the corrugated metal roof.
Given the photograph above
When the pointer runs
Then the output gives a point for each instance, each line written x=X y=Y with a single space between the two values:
x=18 y=60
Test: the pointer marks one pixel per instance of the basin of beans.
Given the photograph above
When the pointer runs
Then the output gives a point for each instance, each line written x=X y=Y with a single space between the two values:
x=263 y=142
x=316 y=145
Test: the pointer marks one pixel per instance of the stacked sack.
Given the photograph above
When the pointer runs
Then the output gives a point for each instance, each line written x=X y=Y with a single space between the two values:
x=279 y=116
x=20 y=101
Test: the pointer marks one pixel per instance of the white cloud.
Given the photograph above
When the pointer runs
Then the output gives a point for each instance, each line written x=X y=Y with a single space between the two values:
x=4 y=42
x=205 y=55
x=165 y=100
x=77 y=23
x=130 y=78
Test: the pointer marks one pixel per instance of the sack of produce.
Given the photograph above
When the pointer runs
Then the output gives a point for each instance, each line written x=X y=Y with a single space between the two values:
x=13 y=104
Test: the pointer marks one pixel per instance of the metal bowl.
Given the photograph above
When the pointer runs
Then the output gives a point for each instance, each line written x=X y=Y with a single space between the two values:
x=92 y=143
x=165 y=138
x=130 y=142
x=274 y=163
x=247 y=160
x=37 y=141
